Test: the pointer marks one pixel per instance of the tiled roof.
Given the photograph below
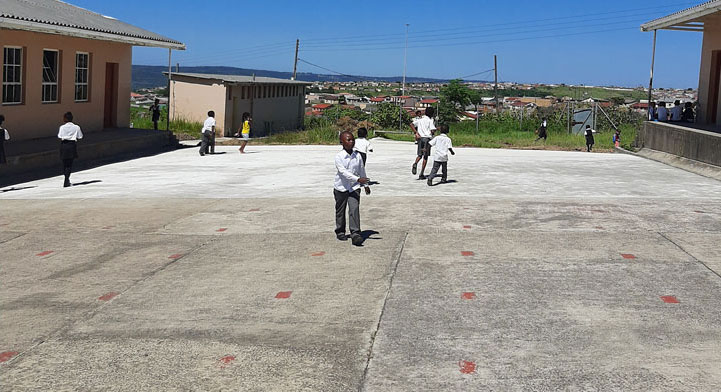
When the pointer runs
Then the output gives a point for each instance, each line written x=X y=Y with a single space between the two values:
x=54 y=14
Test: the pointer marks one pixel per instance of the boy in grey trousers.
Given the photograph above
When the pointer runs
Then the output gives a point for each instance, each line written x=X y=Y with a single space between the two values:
x=350 y=176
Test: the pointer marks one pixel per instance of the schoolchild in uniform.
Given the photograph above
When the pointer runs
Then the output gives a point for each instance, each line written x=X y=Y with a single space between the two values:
x=589 y=138
x=69 y=134
x=155 y=110
x=442 y=144
x=423 y=129
x=4 y=135
x=208 y=131
x=350 y=176
x=362 y=145
x=543 y=130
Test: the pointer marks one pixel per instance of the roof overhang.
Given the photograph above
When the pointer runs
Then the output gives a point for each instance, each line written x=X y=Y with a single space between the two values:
x=15 y=24
x=691 y=19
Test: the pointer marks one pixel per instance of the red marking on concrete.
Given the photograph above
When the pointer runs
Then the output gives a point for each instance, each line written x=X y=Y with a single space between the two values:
x=468 y=295
x=628 y=256
x=467 y=253
x=107 y=227
x=466 y=227
x=316 y=254
x=108 y=296
x=222 y=229
x=175 y=256
x=700 y=212
x=7 y=355
x=467 y=367
x=45 y=253
x=670 y=299
x=599 y=211
x=283 y=294
x=599 y=227
x=226 y=359
x=254 y=210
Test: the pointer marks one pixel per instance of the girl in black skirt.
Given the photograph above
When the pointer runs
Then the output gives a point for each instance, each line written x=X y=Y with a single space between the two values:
x=589 y=138
x=69 y=134
x=4 y=135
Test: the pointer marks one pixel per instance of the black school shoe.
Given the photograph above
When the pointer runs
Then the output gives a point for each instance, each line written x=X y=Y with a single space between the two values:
x=357 y=239
x=422 y=177
x=430 y=181
x=341 y=237
x=414 y=169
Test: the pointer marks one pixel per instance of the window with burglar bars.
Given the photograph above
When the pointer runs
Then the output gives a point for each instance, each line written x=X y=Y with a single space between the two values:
x=50 y=76
x=82 y=68
x=12 y=75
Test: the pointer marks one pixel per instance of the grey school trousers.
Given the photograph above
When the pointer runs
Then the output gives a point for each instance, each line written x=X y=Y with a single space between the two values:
x=352 y=200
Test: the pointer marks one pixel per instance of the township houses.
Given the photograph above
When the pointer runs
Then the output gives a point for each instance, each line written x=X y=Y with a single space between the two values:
x=59 y=58
x=274 y=104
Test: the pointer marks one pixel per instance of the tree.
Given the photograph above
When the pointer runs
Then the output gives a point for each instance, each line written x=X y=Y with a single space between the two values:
x=455 y=96
x=387 y=114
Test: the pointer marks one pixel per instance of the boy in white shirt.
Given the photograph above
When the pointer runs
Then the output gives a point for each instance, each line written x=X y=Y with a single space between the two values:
x=676 y=111
x=423 y=129
x=350 y=176
x=69 y=134
x=208 y=135
x=4 y=135
x=442 y=144
x=362 y=145
x=662 y=112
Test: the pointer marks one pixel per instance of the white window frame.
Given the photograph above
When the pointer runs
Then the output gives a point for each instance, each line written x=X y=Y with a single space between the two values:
x=57 y=77
x=87 y=77
x=19 y=83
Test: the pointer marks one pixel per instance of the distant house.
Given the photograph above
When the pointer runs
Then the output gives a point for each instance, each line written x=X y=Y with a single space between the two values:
x=379 y=99
x=428 y=102
x=58 y=58
x=274 y=104
x=320 y=108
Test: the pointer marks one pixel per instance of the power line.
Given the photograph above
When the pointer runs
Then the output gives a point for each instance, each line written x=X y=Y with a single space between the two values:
x=330 y=70
x=476 y=74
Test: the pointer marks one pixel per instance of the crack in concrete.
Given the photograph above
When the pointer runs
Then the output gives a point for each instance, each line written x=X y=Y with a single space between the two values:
x=692 y=256
x=393 y=269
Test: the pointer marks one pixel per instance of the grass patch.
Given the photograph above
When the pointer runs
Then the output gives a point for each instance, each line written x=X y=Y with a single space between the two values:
x=184 y=128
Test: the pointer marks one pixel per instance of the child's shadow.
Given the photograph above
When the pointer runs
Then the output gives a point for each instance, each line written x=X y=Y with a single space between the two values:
x=445 y=183
x=368 y=235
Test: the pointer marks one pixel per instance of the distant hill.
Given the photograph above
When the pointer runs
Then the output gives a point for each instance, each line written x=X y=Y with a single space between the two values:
x=148 y=76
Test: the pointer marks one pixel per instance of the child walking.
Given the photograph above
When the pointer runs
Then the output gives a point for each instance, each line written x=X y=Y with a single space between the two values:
x=207 y=143
x=617 y=138
x=69 y=134
x=423 y=129
x=442 y=144
x=362 y=145
x=4 y=135
x=350 y=176
x=589 y=138
x=245 y=132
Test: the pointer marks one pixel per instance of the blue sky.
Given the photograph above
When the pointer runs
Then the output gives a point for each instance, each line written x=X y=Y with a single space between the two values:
x=559 y=41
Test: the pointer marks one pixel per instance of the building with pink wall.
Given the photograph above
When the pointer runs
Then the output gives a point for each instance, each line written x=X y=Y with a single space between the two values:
x=59 y=58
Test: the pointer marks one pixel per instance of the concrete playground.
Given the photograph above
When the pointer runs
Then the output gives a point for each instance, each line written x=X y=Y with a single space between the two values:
x=530 y=270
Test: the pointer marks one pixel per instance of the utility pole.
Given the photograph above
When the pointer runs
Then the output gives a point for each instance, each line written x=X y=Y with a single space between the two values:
x=295 y=63
x=403 y=86
x=170 y=77
x=650 y=83
x=495 y=89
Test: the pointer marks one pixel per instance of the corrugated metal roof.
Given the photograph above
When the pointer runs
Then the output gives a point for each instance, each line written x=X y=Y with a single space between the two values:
x=238 y=78
x=682 y=20
x=61 y=14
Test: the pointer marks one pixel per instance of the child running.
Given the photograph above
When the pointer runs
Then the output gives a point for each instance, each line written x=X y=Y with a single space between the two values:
x=362 y=145
x=442 y=144
x=423 y=129
x=350 y=176
x=589 y=138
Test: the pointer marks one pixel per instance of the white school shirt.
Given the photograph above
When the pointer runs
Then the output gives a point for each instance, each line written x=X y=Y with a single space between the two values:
x=7 y=135
x=676 y=112
x=70 y=131
x=662 y=113
x=362 y=145
x=442 y=144
x=425 y=126
x=349 y=168
x=208 y=124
